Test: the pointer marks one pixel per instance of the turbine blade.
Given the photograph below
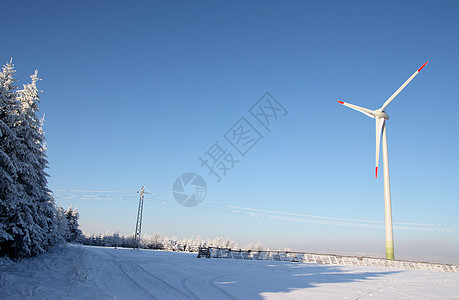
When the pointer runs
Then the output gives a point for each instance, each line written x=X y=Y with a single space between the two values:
x=379 y=127
x=363 y=110
x=401 y=88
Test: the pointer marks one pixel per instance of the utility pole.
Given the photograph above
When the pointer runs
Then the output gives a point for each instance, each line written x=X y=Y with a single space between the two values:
x=138 y=225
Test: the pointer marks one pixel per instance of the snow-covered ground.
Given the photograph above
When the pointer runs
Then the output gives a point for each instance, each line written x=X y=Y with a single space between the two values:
x=82 y=272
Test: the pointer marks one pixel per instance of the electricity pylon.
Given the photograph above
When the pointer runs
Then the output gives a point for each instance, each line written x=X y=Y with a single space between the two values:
x=138 y=224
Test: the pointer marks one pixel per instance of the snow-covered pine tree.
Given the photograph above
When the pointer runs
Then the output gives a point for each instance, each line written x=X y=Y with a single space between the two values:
x=72 y=216
x=37 y=204
x=27 y=212
x=16 y=215
x=11 y=221
x=62 y=223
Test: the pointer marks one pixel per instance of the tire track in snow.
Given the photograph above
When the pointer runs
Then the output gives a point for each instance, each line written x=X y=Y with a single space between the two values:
x=165 y=283
x=132 y=280
x=211 y=282
x=184 y=284
x=147 y=277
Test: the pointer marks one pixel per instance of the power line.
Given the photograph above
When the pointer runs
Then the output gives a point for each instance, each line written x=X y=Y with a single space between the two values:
x=260 y=213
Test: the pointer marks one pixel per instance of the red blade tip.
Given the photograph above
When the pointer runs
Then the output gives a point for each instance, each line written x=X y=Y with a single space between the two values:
x=340 y=102
x=419 y=70
x=376 y=172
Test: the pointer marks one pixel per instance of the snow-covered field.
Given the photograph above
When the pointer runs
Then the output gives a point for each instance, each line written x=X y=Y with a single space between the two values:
x=82 y=272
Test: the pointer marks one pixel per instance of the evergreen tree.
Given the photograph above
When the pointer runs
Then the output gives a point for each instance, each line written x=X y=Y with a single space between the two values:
x=62 y=223
x=9 y=201
x=31 y=173
x=72 y=216
x=27 y=212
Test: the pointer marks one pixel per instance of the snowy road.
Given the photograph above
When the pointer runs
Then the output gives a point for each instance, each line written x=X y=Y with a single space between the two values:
x=107 y=273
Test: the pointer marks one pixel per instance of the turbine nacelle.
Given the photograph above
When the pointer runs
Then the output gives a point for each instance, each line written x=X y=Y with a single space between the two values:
x=380 y=114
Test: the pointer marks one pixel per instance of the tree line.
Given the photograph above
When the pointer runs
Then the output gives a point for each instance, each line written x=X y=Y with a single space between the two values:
x=30 y=222
x=159 y=242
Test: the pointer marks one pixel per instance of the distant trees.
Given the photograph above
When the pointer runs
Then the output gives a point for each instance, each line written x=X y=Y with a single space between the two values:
x=109 y=240
x=28 y=217
x=158 y=242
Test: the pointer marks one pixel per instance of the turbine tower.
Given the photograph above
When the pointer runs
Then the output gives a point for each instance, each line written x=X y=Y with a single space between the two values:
x=381 y=116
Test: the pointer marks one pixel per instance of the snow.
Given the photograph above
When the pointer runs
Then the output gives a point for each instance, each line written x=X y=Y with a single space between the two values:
x=85 y=272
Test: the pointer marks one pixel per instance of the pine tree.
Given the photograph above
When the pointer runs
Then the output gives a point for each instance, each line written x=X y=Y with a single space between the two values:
x=31 y=174
x=62 y=223
x=9 y=201
x=27 y=212
x=72 y=216
x=8 y=138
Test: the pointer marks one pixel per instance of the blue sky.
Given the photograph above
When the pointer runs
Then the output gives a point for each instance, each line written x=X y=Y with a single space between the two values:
x=135 y=93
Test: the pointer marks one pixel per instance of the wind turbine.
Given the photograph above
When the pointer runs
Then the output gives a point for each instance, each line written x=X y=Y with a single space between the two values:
x=381 y=116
